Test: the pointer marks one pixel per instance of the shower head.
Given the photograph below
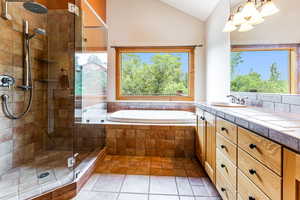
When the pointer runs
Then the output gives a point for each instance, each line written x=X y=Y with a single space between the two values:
x=35 y=7
x=30 y=5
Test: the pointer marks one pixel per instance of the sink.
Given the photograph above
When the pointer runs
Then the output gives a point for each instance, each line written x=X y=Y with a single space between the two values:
x=226 y=104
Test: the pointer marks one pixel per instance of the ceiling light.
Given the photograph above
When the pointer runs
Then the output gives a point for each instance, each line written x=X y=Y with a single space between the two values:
x=245 y=27
x=238 y=18
x=254 y=20
x=268 y=8
x=250 y=10
x=229 y=26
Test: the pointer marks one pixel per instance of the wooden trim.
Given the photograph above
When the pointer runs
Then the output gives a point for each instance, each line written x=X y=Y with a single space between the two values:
x=294 y=64
x=91 y=49
x=191 y=72
x=291 y=175
x=156 y=47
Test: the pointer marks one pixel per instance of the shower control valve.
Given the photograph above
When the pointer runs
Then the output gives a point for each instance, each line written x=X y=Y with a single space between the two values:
x=6 y=81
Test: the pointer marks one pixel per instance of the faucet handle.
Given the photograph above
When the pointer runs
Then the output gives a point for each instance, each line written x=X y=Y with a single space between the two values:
x=243 y=100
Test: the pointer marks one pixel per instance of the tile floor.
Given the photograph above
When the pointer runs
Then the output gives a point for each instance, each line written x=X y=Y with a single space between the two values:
x=23 y=182
x=148 y=178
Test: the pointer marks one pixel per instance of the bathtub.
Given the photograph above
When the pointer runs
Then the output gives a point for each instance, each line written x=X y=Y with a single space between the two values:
x=153 y=117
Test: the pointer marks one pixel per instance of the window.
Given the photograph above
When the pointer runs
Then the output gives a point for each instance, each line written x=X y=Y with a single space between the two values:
x=155 y=73
x=263 y=70
x=90 y=86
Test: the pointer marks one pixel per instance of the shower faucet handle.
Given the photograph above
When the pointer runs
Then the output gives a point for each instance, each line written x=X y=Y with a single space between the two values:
x=6 y=81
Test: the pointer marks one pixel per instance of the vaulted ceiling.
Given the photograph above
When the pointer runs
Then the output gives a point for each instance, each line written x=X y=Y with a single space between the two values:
x=200 y=9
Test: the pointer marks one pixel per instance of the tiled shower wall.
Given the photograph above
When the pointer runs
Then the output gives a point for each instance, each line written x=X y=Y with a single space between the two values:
x=272 y=102
x=60 y=74
x=21 y=140
x=64 y=133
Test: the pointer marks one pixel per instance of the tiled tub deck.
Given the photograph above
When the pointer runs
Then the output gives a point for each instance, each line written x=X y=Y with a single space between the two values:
x=150 y=140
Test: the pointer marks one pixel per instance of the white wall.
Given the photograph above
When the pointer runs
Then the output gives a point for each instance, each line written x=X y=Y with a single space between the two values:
x=281 y=28
x=152 y=23
x=217 y=54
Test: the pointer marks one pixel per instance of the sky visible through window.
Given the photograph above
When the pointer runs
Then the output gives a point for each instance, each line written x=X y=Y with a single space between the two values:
x=184 y=58
x=260 y=62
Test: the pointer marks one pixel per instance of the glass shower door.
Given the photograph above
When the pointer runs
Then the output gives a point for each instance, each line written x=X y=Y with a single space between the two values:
x=90 y=85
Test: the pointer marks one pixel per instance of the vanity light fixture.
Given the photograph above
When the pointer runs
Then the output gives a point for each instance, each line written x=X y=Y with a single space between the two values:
x=268 y=8
x=245 y=27
x=238 y=17
x=249 y=14
x=229 y=26
x=250 y=10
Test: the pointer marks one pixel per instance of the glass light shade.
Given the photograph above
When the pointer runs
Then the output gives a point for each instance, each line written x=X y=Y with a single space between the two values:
x=250 y=10
x=245 y=27
x=268 y=8
x=238 y=19
x=229 y=27
x=254 y=20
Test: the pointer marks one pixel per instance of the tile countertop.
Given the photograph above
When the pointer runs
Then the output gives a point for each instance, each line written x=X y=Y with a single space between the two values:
x=283 y=128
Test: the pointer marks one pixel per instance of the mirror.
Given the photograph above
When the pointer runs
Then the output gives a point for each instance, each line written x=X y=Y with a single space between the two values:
x=266 y=58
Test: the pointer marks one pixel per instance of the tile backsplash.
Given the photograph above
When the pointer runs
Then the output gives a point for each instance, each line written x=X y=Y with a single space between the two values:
x=272 y=102
x=114 y=106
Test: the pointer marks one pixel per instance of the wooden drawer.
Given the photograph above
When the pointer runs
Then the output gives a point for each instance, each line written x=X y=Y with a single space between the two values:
x=226 y=168
x=246 y=189
x=227 y=129
x=268 y=181
x=227 y=148
x=226 y=192
x=264 y=150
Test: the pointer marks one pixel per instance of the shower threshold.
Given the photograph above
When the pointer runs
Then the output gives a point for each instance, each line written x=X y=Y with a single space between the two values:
x=46 y=173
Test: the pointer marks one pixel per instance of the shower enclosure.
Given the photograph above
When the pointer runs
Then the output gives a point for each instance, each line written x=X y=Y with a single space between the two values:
x=53 y=65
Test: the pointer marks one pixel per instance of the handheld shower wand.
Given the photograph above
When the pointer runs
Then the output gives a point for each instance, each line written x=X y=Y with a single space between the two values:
x=27 y=80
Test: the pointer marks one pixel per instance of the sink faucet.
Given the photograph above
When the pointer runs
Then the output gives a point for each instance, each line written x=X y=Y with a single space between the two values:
x=234 y=99
x=243 y=100
x=237 y=100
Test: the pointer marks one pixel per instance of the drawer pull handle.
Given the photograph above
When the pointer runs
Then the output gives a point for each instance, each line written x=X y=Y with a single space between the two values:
x=224 y=129
x=223 y=166
x=251 y=198
x=252 y=171
x=223 y=189
x=252 y=146
x=223 y=146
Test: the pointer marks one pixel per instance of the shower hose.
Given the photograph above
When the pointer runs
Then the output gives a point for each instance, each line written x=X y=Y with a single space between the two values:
x=5 y=97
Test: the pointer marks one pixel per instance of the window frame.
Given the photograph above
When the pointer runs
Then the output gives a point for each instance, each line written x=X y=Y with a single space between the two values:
x=191 y=73
x=292 y=69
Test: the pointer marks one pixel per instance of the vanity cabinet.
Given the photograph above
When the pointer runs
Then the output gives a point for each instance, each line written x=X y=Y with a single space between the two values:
x=244 y=165
x=210 y=146
x=206 y=142
x=200 y=137
x=291 y=175
x=226 y=164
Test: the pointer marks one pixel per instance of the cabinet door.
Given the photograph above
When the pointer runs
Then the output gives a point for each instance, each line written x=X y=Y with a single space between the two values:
x=200 y=139
x=291 y=175
x=210 y=153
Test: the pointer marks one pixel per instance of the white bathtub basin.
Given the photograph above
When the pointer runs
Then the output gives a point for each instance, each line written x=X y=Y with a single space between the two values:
x=153 y=117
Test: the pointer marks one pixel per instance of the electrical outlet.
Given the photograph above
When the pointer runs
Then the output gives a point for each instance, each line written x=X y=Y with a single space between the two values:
x=73 y=9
